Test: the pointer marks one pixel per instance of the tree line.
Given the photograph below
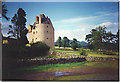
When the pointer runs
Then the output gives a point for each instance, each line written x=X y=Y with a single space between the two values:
x=65 y=42
x=100 y=39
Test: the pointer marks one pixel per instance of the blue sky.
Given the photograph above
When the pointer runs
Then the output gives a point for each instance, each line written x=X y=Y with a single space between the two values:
x=71 y=19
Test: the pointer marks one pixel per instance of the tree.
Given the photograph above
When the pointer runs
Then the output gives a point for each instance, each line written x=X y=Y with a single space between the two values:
x=14 y=28
x=65 y=42
x=100 y=39
x=117 y=37
x=74 y=44
x=18 y=29
x=117 y=41
x=96 y=37
x=21 y=21
x=59 y=42
x=109 y=37
x=4 y=11
x=78 y=45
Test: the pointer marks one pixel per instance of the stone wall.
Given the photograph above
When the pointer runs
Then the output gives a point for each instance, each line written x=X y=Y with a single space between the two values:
x=89 y=58
x=64 y=58
x=44 y=61
x=36 y=62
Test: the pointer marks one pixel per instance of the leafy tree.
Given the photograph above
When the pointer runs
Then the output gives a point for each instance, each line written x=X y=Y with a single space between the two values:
x=65 y=42
x=78 y=45
x=117 y=38
x=59 y=42
x=18 y=29
x=74 y=44
x=109 y=37
x=96 y=37
x=117 y=41
x=68 y=42
x=100 y=39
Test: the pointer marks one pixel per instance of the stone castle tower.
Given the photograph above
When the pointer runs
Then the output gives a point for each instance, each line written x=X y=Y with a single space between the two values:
x=42 y=30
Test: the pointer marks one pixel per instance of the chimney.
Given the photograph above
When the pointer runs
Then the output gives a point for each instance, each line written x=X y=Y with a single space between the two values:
x=36 y=19
x=39 y=18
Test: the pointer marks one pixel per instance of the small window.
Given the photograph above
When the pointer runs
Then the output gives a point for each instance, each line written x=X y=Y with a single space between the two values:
x=47 y=31
x=47 y=38
x=36 y=38
x=47 y=26
x=36 y=31
x=32 y=40
x=33 y=32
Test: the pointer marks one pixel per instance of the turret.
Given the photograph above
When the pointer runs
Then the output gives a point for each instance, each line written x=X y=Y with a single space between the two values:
x=39 y=18
x=29 y=28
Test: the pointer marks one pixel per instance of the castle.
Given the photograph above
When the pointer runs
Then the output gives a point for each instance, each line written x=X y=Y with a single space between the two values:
x=42 y=30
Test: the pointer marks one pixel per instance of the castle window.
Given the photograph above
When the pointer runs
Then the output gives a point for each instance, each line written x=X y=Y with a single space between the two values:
x=47 y=26
x=33 y=32
x=36 y=31
x=47 y=31
x=36 y=38
x=47 y=38
x=32 y=40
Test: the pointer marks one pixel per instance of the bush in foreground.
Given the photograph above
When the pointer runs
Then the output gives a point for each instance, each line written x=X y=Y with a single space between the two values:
x=25 y=52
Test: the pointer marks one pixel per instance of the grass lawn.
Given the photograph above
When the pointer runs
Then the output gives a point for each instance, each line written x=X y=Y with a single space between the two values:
x=90 y=53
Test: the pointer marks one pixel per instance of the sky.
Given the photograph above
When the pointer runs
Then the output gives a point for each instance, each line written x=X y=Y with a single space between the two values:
x=70 y=19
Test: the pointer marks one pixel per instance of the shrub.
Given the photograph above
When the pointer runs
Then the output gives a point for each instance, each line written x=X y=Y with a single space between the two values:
x=83 y=52
x=38 y=49
x=24 y=52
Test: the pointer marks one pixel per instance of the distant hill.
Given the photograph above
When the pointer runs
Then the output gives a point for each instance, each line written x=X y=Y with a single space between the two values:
x=83 y=43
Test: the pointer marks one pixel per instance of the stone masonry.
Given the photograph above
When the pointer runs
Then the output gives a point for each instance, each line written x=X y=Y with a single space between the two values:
x=42 y=30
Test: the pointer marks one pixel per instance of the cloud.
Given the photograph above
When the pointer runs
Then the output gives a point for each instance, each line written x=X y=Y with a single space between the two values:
x=5 y=25
x=5 y=28
x=79 y=27
x=113 y=27
x=74 y=20
x=79 y=33
x=83 y=29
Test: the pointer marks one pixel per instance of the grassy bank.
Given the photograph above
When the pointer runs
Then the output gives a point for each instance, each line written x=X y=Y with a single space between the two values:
x=69 y=50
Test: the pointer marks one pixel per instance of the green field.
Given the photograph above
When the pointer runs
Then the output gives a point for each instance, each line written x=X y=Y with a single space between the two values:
x=69 y=50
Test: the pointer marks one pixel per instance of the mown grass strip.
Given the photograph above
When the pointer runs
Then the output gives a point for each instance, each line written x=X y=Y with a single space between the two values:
x=90 y=53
